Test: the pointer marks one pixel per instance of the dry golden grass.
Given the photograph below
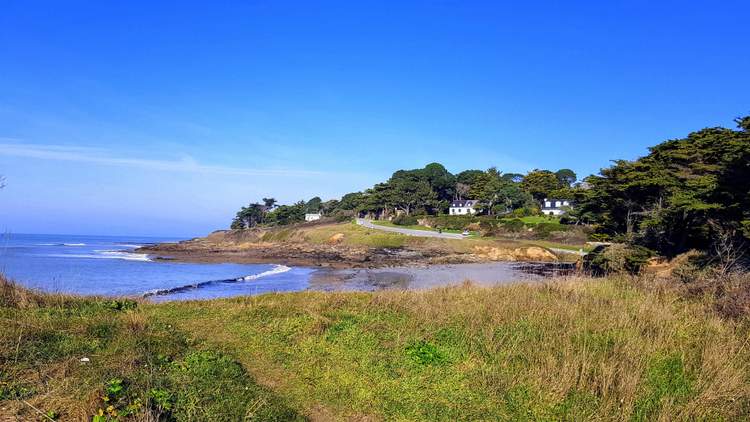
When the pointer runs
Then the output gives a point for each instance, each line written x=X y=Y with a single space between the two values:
x=578 y=349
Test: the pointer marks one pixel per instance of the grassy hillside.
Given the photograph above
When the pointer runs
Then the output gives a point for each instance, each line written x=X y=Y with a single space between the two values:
x=608 y=349
x=352 y=234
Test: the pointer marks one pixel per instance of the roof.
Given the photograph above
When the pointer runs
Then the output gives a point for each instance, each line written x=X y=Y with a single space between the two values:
x=463 y=203
x=553 y=201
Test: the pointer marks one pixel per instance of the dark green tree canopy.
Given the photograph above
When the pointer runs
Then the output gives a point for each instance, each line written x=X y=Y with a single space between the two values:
x=566 y=177
x=680 y=195
x=539 y=183
x=313 y=205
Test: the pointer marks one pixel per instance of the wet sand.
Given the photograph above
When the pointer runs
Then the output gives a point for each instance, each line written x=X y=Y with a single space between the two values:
x=429 y=276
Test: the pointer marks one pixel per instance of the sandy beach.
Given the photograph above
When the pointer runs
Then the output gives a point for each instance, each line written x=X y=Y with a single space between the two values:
x=429 y=276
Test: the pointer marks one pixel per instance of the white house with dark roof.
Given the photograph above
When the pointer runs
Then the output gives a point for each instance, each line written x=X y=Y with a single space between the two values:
x=463 y=207
x=553 y=206
x=312 y=216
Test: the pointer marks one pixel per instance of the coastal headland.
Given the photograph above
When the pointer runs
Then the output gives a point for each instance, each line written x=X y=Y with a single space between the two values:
x=346 y=245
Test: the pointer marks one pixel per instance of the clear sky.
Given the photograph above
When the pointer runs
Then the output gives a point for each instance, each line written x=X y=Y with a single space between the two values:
x=164 y=118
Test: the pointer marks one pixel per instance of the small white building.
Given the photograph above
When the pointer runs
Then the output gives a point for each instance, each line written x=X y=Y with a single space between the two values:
x=554 y=206
x=463 y=207
x=312 y=216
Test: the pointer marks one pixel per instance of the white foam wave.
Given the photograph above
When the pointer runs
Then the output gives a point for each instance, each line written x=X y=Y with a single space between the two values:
x=277 y=269
x=128 y=245
x=74 y=244
x=128 y=256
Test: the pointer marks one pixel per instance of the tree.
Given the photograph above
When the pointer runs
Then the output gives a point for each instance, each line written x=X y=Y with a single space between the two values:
x=313 y=205
x=566 y=177
x=496 y=193
x=539 y=183
x=269 y=203
x=462 y=189
x=329 y=206
x=350 y=201
x=287 y=214
x=441 y=181
x=249 y=216
x=667 y=200
x=468 y=177
x=406 y=191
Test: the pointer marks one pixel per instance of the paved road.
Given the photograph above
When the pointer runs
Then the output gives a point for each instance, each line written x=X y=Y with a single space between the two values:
x=409 y=232
x=570 y=251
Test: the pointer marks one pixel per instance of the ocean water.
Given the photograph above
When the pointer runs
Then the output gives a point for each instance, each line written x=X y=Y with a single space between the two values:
x=107 y=265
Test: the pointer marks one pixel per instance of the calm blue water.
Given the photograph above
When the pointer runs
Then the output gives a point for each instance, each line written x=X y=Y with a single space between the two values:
x=106 y=265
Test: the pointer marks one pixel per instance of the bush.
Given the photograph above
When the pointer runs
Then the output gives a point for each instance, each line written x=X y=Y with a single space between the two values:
x=341 y=216
x=405 y=220
x=600 y=237
x=617 y=259
x=544 y=230
x=515 y=225
x=453 y=222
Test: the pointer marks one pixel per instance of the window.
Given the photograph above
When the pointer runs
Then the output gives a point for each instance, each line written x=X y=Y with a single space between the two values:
x=548 y=204
x=558 y=203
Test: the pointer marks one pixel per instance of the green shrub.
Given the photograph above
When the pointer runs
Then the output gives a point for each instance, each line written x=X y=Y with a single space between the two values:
x=405 y=220
x=453 y=222
x=543 y=230
x=341 y=216
x=600 y=237
x=617 y=258
x=515 y=225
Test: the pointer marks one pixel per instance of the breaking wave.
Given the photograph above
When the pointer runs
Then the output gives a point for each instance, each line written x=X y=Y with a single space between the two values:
x=277 y=269
x=128 y=256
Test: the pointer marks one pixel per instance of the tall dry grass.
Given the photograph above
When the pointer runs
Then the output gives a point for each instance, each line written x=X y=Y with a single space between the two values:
x=578 y=349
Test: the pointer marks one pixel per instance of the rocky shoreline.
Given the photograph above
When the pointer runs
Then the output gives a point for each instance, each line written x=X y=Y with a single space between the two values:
x=337 y=256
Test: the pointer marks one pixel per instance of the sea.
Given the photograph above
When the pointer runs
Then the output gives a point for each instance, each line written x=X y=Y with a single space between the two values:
x=109 y=266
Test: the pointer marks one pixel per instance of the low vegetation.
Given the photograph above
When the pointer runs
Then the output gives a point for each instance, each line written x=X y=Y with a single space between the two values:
x=616 y=348
x=71 y=358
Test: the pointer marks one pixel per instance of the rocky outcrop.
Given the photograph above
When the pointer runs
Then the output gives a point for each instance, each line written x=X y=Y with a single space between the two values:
x=523 y=253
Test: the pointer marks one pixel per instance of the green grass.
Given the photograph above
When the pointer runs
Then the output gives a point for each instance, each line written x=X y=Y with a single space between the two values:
x=537 y=219
x=137 y=369
x=601 y=349
x=604 y=349
x=355 y=235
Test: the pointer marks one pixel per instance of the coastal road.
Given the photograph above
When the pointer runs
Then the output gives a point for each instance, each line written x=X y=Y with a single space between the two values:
x=568 y=251
x=409 y=232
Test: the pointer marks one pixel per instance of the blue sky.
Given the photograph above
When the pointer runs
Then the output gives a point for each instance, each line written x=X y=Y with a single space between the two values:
x=163 y=118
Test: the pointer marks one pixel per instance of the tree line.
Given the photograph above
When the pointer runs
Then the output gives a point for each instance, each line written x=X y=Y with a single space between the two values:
x=426 y=191
x=684 y=194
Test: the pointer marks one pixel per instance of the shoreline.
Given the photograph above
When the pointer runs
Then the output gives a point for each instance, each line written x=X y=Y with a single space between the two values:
x=429 y=276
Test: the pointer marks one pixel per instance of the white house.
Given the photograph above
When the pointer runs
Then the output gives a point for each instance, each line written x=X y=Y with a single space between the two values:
x=312 y=216
x=463 y=207
x=554 y=206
